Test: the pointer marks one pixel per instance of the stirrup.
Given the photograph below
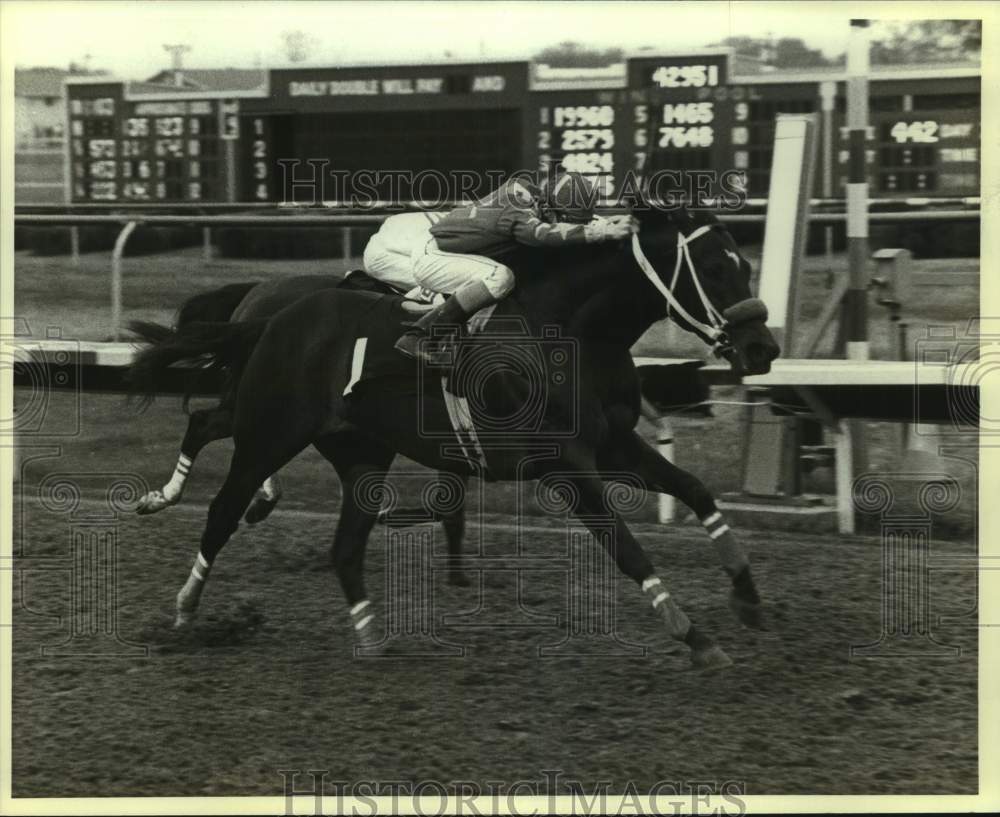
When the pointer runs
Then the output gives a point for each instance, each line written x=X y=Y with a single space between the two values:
x=409 y=343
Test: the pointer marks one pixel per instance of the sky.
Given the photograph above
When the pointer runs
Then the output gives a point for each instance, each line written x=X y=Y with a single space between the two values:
x=126 y=38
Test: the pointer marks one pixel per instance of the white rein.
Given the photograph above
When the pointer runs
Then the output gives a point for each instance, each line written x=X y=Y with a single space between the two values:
x=715 y=330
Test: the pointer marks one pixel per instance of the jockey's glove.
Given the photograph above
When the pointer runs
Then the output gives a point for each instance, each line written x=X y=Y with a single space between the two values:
x=608 y=229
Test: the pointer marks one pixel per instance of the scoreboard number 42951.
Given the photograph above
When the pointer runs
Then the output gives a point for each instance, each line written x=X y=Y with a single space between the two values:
x=686 y=76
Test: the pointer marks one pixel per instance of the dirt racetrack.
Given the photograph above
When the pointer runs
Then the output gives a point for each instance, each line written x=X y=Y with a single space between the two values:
x=266 y=679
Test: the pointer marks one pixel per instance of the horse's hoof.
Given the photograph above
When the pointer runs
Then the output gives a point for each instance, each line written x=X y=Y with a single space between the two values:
x=710 y=658
x=456 y=578
x=750 y=615
x=368 y=645
x=259 y=510
x=153 y=502
x=183 y=619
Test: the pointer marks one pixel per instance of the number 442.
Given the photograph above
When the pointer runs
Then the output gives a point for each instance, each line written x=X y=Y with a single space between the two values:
x=920 y=131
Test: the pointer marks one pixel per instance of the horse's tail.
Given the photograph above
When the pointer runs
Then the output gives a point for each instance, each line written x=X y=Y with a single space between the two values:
x=205 y=346
x=216 y=306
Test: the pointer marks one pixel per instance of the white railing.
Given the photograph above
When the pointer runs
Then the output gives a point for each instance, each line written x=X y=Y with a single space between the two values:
x=133 y=219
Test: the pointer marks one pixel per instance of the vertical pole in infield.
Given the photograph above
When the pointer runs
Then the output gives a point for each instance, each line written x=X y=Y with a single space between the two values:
x=345 y=238
x=74 y=245
x=828 y=103
x=666 y=506
x=206 y=244
x=856 y=298
x=116 y=279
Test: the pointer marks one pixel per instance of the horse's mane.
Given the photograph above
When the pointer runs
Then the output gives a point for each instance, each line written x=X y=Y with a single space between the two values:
x=608 y=270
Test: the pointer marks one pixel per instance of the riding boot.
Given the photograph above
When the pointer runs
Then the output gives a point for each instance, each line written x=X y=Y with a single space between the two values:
x=449 y=316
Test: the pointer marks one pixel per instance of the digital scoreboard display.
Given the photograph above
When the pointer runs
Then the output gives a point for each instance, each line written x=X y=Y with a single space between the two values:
x=582 y=132
x=684 y=122
x=683 y=114
x=148 y=151
x=755 y=111
x=920 y=144
x=381 y=132
x=669 y=113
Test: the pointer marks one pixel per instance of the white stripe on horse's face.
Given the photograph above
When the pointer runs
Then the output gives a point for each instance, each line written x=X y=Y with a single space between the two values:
x=735 y=257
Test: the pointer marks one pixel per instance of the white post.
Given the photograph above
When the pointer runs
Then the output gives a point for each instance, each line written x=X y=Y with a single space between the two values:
x=116 y=279
x=844 y=455
x=345 y=233
x=828 y=104
x=206 y=244
x=74 y=245
x=665 y=445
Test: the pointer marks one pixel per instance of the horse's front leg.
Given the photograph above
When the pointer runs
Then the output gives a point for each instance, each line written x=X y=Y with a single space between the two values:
x=453 y=522
x=635 y=455
x=451 y=516
x=204 y=426
x=587 y=501
x=264 y=501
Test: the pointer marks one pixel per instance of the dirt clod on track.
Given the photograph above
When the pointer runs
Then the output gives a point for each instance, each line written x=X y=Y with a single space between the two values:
x=266 y=679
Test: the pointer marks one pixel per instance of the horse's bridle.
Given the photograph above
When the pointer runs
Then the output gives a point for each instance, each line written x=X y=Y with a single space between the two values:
x=715 y=330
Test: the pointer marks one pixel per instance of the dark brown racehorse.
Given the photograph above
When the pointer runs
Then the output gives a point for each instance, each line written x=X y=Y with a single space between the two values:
x=290 y=395
x=244 y=302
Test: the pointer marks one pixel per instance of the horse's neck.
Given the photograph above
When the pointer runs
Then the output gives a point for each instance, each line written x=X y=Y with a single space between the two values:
x=619 y=315
x=596 y=293
x=553 y=290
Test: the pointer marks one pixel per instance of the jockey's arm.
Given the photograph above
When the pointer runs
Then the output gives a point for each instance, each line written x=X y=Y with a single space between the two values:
x=527 y=228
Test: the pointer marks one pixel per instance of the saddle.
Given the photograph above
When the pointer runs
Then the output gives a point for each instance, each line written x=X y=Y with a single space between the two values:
x=418 y=300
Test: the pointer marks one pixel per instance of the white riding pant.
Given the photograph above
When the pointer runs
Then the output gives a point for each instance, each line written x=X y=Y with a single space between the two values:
x=394 y=268
x=388 y=252
x=447 y=272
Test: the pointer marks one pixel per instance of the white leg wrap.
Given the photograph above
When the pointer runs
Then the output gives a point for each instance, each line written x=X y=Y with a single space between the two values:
x=190 y=593
x=728 y=548
x=363 y=617
x=175 y=487
x=271 y=489
x=677 y=623
x=201 y=568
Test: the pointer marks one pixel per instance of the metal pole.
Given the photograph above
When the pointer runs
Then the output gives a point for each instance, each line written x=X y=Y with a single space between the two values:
x=852 y=436
x=116 y=279
x=856 y=299
x=666 y=510
x=665 y=445
x=844 y=475
x=828 y=102
x=74 y=245
x=345 y=238
x=206 y=244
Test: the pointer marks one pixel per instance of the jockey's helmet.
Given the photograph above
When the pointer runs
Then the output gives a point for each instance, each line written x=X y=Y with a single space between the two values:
x=569 y=197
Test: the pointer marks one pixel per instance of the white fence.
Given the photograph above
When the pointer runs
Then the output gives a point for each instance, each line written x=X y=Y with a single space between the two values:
x=131 y=220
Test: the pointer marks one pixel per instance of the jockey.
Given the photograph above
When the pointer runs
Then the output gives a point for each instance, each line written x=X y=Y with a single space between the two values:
x=464 y=255
x=388 y=253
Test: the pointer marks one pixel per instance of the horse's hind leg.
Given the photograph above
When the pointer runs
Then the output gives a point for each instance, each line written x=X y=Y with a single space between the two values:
x=362 y=463
x=247 y=469
x=204 y=426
